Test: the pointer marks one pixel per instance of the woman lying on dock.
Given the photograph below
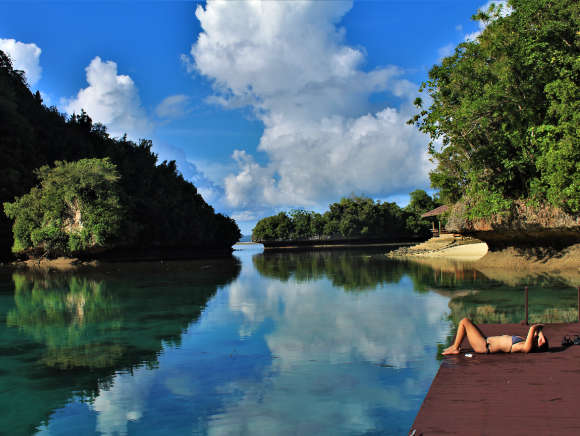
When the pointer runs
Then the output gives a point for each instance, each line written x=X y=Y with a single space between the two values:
x=535 y=341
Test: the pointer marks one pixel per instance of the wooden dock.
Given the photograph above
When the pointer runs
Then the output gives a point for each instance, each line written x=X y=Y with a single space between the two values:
x=506 y=394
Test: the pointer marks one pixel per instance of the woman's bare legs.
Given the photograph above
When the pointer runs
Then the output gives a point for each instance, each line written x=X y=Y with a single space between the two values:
x=474 y=336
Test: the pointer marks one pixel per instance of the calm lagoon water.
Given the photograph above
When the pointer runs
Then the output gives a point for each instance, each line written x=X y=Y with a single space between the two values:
x=334 y=342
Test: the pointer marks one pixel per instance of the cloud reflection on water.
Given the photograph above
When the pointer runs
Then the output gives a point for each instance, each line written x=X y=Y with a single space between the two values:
x=315 y=321
x=332 y=349
x=273 y=357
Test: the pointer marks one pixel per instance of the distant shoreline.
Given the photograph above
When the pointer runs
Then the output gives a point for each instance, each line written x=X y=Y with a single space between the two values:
x=337 y=242
x=331 y=245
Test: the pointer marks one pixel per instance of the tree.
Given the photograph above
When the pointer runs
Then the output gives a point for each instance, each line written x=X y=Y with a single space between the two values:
x=505 y=109
x=75 y=208
x=276 y=227
x=352 y=217
x=420 y=202
x=316 y=225
x=301 y=221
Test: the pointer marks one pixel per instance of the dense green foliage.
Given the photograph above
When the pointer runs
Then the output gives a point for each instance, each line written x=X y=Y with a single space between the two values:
x=504 y=114
x=419 y=203
x=351 y=218
x=162 y=209
x=75 y=208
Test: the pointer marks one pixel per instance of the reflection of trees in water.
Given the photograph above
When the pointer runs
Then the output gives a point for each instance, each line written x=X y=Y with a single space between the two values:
x=506 y=306
x=350 y=270
x=107 y=323
x=90 y=320
x=357 y=270
x=61 y=313
x=493 y=297
x=425 y=276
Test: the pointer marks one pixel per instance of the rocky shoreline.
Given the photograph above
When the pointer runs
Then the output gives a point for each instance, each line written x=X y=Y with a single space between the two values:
x=125 y=256
x=525 y=260
x=523 y=226
x=530 y=239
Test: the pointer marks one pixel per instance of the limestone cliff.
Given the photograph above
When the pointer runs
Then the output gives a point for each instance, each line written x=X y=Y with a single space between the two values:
x=523 y=226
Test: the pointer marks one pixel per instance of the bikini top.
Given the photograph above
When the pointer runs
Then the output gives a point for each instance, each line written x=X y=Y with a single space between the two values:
x=516 y=339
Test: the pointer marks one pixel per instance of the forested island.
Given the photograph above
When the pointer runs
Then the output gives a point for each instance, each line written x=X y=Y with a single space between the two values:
x=351 y=220
x=69 y=189
x=503 y=115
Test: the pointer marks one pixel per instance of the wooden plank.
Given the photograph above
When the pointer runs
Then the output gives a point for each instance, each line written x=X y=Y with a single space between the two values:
x=501 y=394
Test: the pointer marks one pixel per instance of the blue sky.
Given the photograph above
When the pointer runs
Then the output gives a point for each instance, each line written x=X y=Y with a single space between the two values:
x=265 y=106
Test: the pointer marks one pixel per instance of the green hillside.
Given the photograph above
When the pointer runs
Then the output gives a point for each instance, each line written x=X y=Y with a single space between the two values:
x=161 y=210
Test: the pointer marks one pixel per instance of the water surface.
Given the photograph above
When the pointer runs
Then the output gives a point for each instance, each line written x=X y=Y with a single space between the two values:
x=330 y=342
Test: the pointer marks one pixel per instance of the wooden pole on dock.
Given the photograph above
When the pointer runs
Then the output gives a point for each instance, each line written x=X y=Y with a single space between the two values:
x=526 y=297
x=578 y=303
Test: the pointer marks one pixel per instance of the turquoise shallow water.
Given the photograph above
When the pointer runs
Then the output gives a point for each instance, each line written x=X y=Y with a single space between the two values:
x=336 y=342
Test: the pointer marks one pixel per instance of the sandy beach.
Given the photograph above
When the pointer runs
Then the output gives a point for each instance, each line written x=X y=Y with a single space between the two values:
x=449 y=246
x=467 y=252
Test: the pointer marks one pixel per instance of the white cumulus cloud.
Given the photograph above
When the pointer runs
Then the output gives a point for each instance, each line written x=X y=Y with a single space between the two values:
x=290 y=63
x=111 y=99
x=25 y=57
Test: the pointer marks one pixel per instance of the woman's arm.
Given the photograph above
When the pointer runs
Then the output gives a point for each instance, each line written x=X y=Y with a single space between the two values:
x=526 y=347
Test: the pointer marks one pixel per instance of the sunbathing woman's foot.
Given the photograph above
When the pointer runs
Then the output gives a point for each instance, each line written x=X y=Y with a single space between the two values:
x=451 y=350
